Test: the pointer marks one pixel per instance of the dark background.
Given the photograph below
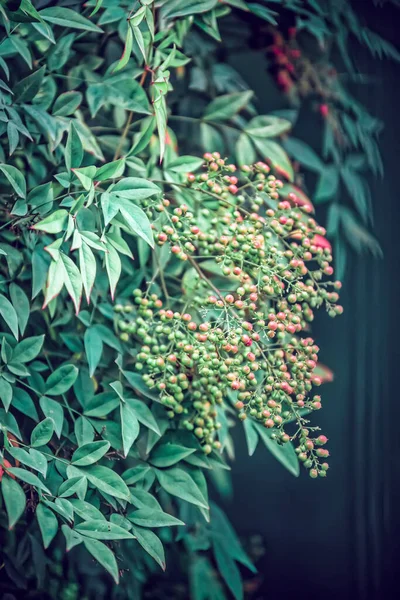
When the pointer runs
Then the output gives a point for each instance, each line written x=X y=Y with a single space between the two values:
x=339 y=537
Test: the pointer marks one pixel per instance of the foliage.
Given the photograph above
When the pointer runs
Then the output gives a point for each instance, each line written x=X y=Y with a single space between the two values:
x=150 y=299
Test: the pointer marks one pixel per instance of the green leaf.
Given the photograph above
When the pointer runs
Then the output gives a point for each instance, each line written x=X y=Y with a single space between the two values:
x=73 y=149
x=136 y=381
x=55 y=281
x=148 y=517
x=267 y=126
x=14 y=499
x=111 y=170
x=183 y=8
x=85 y=510
x=151 y=543
x=53 y=410
x=61 y=380
x=328 y=184
x=245 y=152
x=185 y=164
x=26 y=89
x=48 y=523
x=99 y=529
x=54 y=223
x=305 y=155
x=263 y=12
x=42 y=433
x=24 y=403
x=135 y=188
x=166 y=455
x=251 y=436
x=275 y=155
x=28 y=349
x=86 y=176
x=67 y=103
x=129 y=427
x=136 y=220
x=21 y=304
x=71 y=537
x=113 y=267
x=75 y=485
x=143 y=414
x=67 y=18
x=222 y=530
x=87 y=264
x=228 y=569
x=93 y=348
x=9 y=315
x=104 y=556
x=285 y=454
x=72 y=281
x=178 y=482
x=101 y=404
x=15 y=179
x=33 y=459
x=90 y=453
x=160 y=111
x=123 y=61
x=6 y=393
x=105 y=480
x=83 y=430
x=29 y=478
x=226 y=106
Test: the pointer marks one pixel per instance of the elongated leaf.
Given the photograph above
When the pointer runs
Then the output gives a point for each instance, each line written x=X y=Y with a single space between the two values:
x=48 y=523
x=15 y=179
x=53 y=410
x=26 y=89
x=123 y=61
x=129 y=426
x=88 y=454
x=55 y=281
x=7 y=311
x=87 y=264
x=143 y=414
x=93 y=348
x=102 y=530
x=72 y=280
x=285 y=454
x=67 y=18
x=103 y=555
x=251 y=436
x=28 y=349
x=29 y=478
x=137 y=220
x=226 y=106
x=14 y=499
x=178 y=482
x=61 y=380
x=6 y=393
x=73 y=149
x=54 y=223
x=105 y=480
x=151 y=543
x=113 y=266
x=33 y=459
x=20 y=302
x=42 y=433
x=166 y=455
x=148 y=517
x=305 y=155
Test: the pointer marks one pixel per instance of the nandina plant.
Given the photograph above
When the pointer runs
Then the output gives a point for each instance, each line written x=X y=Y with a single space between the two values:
x=151 y=300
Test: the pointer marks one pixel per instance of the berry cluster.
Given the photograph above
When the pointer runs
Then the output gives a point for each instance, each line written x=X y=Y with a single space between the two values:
x=239 y=346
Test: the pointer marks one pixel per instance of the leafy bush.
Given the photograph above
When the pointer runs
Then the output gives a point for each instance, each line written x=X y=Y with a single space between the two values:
x=149 y=298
